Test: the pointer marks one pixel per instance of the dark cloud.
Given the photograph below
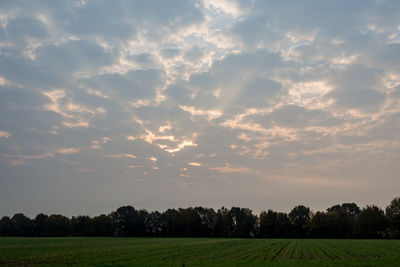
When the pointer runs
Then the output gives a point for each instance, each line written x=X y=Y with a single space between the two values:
x=72 y=56
x=180 y=93
x=298 y=117
x=387 y=57
x=100 y=18
x=29 y=73
x=388 y=129
x=22 y=28
x=132 y=85
x=144 y=60
x=53 y=65
x=356 y=87
x=181 y=13
x=259 y=91
x=253 y=30
x=170 y=52
x=12 y=97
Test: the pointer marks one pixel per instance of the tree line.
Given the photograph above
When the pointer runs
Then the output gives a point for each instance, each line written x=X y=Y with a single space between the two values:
x=339 y=221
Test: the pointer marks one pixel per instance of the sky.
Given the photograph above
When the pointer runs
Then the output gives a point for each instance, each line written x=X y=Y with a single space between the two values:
x=165 y=104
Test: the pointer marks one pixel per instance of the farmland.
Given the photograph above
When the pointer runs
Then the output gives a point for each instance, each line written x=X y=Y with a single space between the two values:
x=197 y=252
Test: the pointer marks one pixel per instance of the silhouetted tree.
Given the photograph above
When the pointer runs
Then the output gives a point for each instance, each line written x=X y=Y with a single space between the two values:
x=140 y=223
x=319 y=226
x=189 y=222
x=82 y=226
x=208 y=218
x=57 y=225
x=339 y=221
x=371 y=222
x=39 y=224
x=300 y=217
x=268 y=224
x=223 y=226
x=351 y=209
x=342 y=220
x=274 y=224
x=393 y=215
x=153 y=224
x=103 y=225
x=243 y=222
x=169 y=223
x=21 y=225
x=6 y=226
x=129 y=221
x=341 y=224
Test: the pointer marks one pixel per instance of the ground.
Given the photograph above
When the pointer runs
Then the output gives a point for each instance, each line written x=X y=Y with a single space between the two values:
x=81 y=251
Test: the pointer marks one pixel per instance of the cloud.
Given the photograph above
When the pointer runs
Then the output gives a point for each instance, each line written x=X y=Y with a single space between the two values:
x=356 y=87
x=74 y=115
x=20 y=29
x=132 y=85
x=67 y=151
x=4 y=134
x=387 y=56
x=118 y=156
x=298 y=117
x=228 y=168
x=253 y=96
x=210 y=114
x=72 y=56
x=122 y=20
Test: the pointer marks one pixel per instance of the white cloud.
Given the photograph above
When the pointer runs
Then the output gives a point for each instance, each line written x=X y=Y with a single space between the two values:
x=67 y=151
x=210 y=114
x=195 y=164
x=75 y=115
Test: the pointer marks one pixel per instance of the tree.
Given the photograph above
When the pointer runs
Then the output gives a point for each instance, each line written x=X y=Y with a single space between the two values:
x=57 y=225
x=140 y=223
x=154 y=223
x=223 y=226
x=189 y=222
x=351 y=209
x=371 y=222
x=341 y=224
x=129 y=221
x=169 y=222
x=320 y=225
x=269 y=225
x=341 y=220
x=21 y=225
x=393 y=215
x=5 y=226
x=243 y=222
x=39 y=224
x=82 y=226
x=285 y=226
x=208 y=219
x=300 y=217
x=103 y=225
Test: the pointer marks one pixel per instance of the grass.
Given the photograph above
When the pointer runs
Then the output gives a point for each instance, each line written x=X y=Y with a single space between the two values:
x=82 y=251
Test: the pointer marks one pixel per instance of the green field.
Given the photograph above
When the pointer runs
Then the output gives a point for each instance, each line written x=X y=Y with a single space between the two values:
x=197 y=252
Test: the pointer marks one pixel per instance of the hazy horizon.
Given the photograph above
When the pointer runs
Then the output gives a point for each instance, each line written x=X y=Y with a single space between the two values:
x=159 y=104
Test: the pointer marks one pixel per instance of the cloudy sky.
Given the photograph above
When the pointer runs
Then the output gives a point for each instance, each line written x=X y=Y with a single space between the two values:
x=166 y=104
